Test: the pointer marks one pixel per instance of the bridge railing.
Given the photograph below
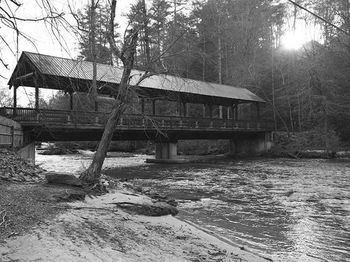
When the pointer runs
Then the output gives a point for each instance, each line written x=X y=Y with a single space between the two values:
x=127 y=121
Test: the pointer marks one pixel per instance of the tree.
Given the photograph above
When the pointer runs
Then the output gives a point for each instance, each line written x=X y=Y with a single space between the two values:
x=99 y=27
x=126 y=54
x=11 y=22
x=159 y=13
x=139 y=18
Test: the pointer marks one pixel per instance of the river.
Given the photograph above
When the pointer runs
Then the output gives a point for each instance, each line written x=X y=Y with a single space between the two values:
x=288 y=210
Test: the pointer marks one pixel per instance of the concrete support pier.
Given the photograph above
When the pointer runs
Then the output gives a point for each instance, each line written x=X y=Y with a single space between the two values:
x=166 y=150
x=253 y=144
x=12 y=136
x=166 y=153
x=27 y=152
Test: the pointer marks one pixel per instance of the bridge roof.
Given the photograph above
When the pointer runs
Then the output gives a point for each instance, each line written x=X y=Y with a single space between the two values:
x=76 y=75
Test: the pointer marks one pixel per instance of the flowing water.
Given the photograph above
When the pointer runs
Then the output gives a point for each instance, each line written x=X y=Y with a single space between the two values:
x=288 y=210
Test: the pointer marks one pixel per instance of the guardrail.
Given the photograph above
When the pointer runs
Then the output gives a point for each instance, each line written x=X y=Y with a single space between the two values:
x=27 y=116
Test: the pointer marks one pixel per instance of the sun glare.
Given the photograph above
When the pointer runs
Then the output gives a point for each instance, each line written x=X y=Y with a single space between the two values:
x=303 y=33
x=294 y=40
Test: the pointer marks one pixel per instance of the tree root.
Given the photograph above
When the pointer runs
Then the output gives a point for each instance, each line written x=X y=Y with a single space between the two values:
x=92 y=208
x=3 y=217
x=97 y=188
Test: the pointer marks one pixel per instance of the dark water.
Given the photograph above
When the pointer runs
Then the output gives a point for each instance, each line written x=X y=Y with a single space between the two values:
x=288 y=210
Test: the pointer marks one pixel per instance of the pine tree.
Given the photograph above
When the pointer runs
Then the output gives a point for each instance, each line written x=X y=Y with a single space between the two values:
x=103 y=50
x=139 y=17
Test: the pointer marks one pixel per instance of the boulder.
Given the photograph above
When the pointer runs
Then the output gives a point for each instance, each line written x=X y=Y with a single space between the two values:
x=63 y=179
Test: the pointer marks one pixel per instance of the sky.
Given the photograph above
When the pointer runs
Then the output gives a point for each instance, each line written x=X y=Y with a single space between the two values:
x=42 y=40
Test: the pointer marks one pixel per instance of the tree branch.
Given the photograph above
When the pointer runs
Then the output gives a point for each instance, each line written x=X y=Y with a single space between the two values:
x=15 y=2
x=53 y=16
x=4 y=64
x=76 y=18
x=111 y=34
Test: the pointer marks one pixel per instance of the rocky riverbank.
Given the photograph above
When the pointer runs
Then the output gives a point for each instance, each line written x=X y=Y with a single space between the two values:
x=15 y=169
x=36 y=223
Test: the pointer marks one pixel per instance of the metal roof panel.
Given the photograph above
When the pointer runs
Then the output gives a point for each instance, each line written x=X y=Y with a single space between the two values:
x=81 y=69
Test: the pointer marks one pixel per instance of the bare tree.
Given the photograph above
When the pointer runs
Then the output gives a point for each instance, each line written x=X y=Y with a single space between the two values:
x=92 y=40
x=53 y=19
x=126 y=54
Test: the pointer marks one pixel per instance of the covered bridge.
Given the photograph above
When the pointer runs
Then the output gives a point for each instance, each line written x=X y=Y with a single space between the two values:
x=226 y=111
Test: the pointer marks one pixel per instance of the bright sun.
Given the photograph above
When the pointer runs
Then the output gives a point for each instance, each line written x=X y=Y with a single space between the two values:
x=303 y=33
x=294 y=40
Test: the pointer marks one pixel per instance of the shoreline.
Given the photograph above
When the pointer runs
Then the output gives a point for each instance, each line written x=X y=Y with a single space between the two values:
x=41 y=224
x=95 y=229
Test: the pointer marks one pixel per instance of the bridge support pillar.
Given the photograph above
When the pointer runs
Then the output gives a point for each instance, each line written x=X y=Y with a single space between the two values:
x=166 y=150
x=250 y=145
x=12 y=136
x=166 y=153
x=27 y=152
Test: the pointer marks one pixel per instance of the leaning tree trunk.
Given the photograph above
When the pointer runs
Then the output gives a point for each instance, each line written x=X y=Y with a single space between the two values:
x=93 y=173
x=127 y=54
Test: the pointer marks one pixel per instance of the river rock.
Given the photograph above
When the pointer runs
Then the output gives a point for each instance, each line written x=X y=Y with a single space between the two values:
x=63 y=179
x=155 y=209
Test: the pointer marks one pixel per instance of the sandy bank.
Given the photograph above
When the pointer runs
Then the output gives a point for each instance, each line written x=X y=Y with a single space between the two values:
x=96 y=230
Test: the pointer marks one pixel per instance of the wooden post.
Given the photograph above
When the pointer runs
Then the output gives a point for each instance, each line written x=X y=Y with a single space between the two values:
x=210 y=111
x=203 y=110
x=154 y=107
x=143 y=106
x=36 y=97
x=236 y=111
x=15 y=96
x=12 y=137
x=229 y=108
x=36 y=91
x=15 y=101
x=258 y=111
x=220 y=112
x=71 y=101
x=97 y=119
x=185 y=109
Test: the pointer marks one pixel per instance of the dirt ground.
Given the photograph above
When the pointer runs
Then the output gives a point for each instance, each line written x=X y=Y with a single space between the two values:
x=40 y=227
x=24 y=206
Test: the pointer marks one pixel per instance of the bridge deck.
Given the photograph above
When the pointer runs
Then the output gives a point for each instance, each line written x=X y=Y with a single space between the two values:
x=86 y=125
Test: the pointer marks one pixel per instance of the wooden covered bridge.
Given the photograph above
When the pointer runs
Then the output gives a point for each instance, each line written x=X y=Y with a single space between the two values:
x=163 y=108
